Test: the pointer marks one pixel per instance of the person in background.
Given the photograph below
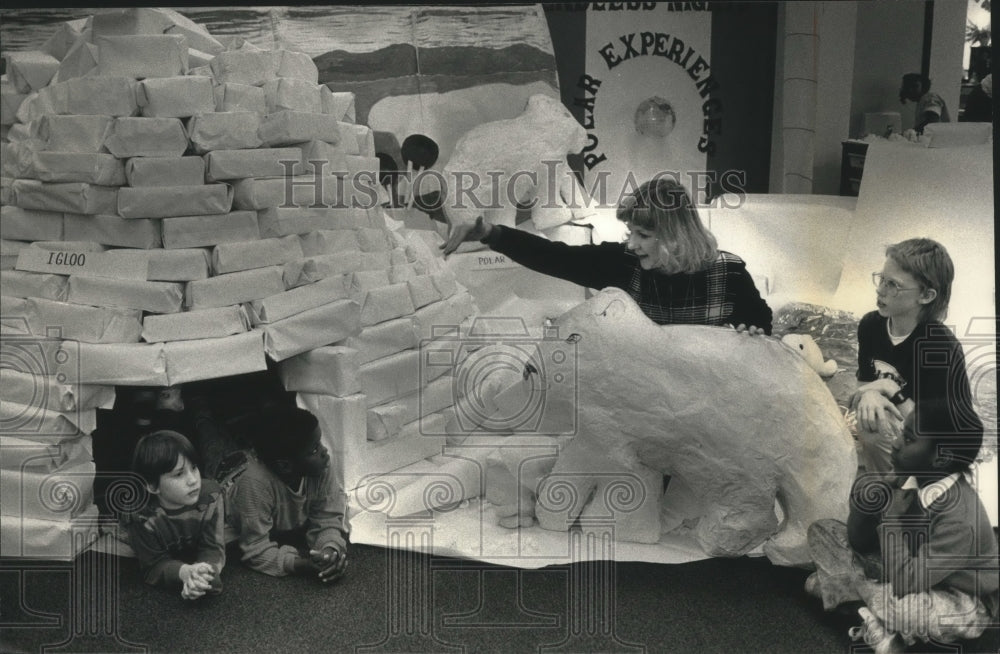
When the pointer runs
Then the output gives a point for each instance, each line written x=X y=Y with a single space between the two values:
x=288 y=512
x=931 y=107
x=979 y=104
x=178 y=535
x=670 y=265
x=917 y=557
x=906 y=355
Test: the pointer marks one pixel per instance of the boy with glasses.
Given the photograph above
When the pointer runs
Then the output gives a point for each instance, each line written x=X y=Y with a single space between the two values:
x=905 y=353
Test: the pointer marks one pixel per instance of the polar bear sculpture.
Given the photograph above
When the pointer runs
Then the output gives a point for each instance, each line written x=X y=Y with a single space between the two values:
x=505 y=162
x=740 y=420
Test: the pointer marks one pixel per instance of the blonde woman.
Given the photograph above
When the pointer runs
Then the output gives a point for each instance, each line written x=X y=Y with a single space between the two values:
x=670 y=264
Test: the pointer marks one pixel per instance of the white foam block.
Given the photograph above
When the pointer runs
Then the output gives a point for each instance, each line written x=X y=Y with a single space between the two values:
x=175 y=97
x=196 y=35
x=234 y=288
x=20 y=283
x=339 y=105
x=121 y=364
x=445 y=282
x=89 y=167
x=209 y=358
x=49 y=391
x=253 y=67
x=247 y=255
x=239 y=97
x=384 y=422
x=75 y=133
x=69 y=197
x=154 y=297
x=298 y=66
x=365 y=137
x=142 y=55
x=103 y=96
x=192 y=325
x=14 y=315
x=80 y=60
x=328 y=370
x=278 y=221
x=402 y=272
x=444 y=315
x=231 y=130
x=423 y=291
x=45 y=457
x=147 y=137
x=17 y=224
x=290 y=127
x=310 y=329
x=293 y=95
x=312 y=269
x=329 y=241
x=375 y=458
x=196 y=231
x=386 y=303
x=385 y=339
x=112 y=230
x=330 y=157
x=30 y=70
x=374 y=260
x=170 y=265
x=174 y=201
x=296 y=300
x=10 y=102
x=373 y=239
x=367 y=280
x=29 y=492
x=63 y=38
x=165 y=171
x=432 y=398
x=35 y=421
x=390 y=377
x=241 y=164
x=53 y=540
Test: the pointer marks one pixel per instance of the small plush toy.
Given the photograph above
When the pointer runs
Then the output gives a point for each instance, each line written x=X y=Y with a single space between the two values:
x=806 y=346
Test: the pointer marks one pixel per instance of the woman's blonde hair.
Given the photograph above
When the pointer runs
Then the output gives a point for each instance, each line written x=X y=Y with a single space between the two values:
x=663 y=206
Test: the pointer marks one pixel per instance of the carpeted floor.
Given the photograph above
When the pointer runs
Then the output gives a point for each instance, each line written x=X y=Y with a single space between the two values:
x=399 y=601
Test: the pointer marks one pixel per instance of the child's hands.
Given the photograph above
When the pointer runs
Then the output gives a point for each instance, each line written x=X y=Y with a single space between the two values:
x=331 y=561
x=197 y=579
x=873 y=411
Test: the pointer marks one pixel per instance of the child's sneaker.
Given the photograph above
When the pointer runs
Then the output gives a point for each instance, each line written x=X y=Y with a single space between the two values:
x=874 y=633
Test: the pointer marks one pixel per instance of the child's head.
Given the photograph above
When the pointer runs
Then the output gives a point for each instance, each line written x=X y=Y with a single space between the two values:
x=168 y=463
x=288 y=441
x=930 y=271
x=935 y=441
x=666 y=232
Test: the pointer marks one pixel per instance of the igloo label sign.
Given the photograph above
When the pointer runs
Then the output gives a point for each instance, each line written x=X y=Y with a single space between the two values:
x=73 y=262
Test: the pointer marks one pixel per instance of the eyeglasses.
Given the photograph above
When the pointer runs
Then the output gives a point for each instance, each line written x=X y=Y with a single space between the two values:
x=892 y=289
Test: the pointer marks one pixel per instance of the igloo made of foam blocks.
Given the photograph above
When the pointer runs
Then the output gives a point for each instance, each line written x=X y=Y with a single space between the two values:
x=177 y=207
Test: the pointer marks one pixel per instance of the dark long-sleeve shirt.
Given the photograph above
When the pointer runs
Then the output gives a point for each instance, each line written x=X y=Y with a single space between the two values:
x=723 y=293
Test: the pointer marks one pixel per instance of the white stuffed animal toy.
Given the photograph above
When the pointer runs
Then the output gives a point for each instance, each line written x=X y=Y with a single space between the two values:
x=806 y=346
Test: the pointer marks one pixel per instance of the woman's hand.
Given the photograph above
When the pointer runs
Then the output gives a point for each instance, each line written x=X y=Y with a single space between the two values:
x=458 y=234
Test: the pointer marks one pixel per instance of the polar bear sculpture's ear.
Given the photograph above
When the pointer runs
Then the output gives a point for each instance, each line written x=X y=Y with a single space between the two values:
x=614 y=309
